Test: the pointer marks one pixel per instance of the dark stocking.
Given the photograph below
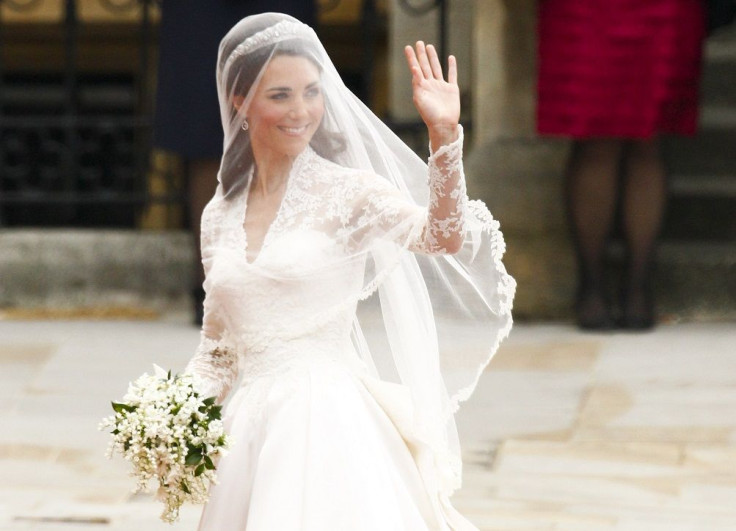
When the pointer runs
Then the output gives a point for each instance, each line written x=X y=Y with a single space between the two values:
x=643 y=207
x=592 y=185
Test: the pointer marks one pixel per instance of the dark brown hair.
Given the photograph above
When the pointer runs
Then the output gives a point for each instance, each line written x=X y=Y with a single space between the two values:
x=241 y=74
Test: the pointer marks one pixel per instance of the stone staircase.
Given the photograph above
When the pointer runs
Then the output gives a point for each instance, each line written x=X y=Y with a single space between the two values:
x=697 y=258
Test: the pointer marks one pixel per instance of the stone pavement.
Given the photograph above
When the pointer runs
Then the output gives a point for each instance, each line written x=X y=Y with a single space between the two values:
x=567 y=431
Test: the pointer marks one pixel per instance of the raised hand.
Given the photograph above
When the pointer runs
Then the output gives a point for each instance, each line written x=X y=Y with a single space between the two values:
x=437 y=100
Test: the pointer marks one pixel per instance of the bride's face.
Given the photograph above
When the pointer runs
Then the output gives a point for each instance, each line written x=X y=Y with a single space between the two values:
x=287 y=107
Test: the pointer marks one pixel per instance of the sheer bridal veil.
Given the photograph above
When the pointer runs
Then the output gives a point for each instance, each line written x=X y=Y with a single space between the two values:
x=428 y=324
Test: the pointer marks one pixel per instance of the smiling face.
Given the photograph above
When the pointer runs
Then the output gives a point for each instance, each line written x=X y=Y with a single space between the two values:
x=287 y=107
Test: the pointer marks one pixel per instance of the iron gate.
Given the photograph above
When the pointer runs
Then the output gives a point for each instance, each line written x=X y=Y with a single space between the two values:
x=74 y=140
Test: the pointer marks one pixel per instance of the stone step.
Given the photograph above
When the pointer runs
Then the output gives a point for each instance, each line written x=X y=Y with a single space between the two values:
x=711 y=152
x=695 y=280
x=700 y=218
x=701 y=207
x=718 y=84
x=718 y=118
x=722 y=186
x=153 y=270
x=722 y=44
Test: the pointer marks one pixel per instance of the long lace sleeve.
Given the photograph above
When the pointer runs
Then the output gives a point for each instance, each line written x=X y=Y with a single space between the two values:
x=443 y=231
x=216 y=367
x=437 y=229
x=214 y=363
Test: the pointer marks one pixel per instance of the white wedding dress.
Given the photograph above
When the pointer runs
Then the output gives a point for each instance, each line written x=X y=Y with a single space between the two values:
x=320 y=443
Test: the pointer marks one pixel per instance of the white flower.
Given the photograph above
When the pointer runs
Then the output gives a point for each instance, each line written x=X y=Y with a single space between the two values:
x=170 y=433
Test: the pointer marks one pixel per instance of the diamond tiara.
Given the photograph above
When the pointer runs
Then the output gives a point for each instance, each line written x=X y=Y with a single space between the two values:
x=282 y=30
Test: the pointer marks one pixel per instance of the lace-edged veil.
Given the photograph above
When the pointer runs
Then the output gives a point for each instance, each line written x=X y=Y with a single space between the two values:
x=426 y=324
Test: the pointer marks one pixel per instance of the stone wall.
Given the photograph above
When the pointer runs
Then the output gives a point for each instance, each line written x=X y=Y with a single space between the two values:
x=508 y=166
x=95 y=268
x=404 y=29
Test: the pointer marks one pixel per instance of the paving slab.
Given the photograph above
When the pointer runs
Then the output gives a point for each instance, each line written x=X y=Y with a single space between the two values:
x=567 y=430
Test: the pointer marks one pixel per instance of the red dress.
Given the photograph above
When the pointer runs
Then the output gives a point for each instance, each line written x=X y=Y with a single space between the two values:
x=619 y=68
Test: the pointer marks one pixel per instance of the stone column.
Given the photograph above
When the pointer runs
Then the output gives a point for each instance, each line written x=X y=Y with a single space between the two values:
x=518 y=175
x=405 y=28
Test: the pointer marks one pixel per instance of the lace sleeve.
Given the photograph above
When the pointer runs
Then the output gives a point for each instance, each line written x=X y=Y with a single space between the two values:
x=215 y=366
x=443 y=230
x=437 y=229
x=210 y=226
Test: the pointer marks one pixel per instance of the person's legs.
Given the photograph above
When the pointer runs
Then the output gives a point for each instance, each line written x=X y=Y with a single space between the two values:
x=644 y=202
x=592 y=185
x=201 y=185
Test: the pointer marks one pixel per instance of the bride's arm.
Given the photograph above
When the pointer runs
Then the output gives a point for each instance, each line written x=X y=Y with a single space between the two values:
x=379 y=209
x=443 y=230
x=382 y=212
x=214 y=363
x=438 y=103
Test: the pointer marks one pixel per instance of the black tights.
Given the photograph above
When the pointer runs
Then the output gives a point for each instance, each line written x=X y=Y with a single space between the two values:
x=597 y=169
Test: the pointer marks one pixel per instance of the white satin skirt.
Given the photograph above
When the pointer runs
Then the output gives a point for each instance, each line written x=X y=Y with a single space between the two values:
x=313 y=451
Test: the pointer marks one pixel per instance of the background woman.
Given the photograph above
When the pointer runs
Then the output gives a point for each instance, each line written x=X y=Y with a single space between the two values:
x=614 y=76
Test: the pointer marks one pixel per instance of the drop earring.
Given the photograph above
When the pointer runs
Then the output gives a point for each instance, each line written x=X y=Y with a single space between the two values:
x=245 y=125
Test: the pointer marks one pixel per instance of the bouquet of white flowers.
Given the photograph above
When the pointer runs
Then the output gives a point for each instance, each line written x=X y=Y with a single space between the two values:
x=168 y=431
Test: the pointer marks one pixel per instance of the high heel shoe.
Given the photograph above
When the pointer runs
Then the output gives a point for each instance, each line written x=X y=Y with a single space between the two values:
x=592 y=311
x=638 y=310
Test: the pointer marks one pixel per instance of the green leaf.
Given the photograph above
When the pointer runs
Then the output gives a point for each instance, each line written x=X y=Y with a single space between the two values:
x=208 y=463
x=215 y=413
x=168 y=377
x=193 y=458
x=210 y=401
x=185 y=487
x=199 y=470
x=119 y=407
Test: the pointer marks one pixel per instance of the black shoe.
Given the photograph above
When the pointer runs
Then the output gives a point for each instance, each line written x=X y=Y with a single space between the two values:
x=638 y=310
x=592 y=311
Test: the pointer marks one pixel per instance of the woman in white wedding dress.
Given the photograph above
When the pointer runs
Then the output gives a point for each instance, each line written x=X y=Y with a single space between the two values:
x=354 y=295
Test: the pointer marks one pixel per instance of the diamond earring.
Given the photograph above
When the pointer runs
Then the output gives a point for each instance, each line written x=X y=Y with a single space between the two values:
x=245 y=125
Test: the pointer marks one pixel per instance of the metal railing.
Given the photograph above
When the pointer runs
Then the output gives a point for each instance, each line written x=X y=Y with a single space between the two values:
x=75 y=143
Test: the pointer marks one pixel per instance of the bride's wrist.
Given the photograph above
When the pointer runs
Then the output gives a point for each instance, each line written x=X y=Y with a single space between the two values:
x=442 y=135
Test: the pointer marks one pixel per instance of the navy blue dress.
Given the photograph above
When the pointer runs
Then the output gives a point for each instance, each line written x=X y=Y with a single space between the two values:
x=187 y=114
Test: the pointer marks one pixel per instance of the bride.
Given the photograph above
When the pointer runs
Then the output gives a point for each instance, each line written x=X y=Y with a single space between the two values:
x=354 y=294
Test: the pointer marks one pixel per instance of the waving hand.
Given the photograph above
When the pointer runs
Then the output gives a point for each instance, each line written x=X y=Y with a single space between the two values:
x=437 y=100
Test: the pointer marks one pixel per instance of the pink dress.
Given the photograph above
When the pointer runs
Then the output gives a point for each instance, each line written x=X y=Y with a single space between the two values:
x=619 y=68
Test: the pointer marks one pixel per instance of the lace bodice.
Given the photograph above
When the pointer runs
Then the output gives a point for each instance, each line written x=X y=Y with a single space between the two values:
x=264 y=312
